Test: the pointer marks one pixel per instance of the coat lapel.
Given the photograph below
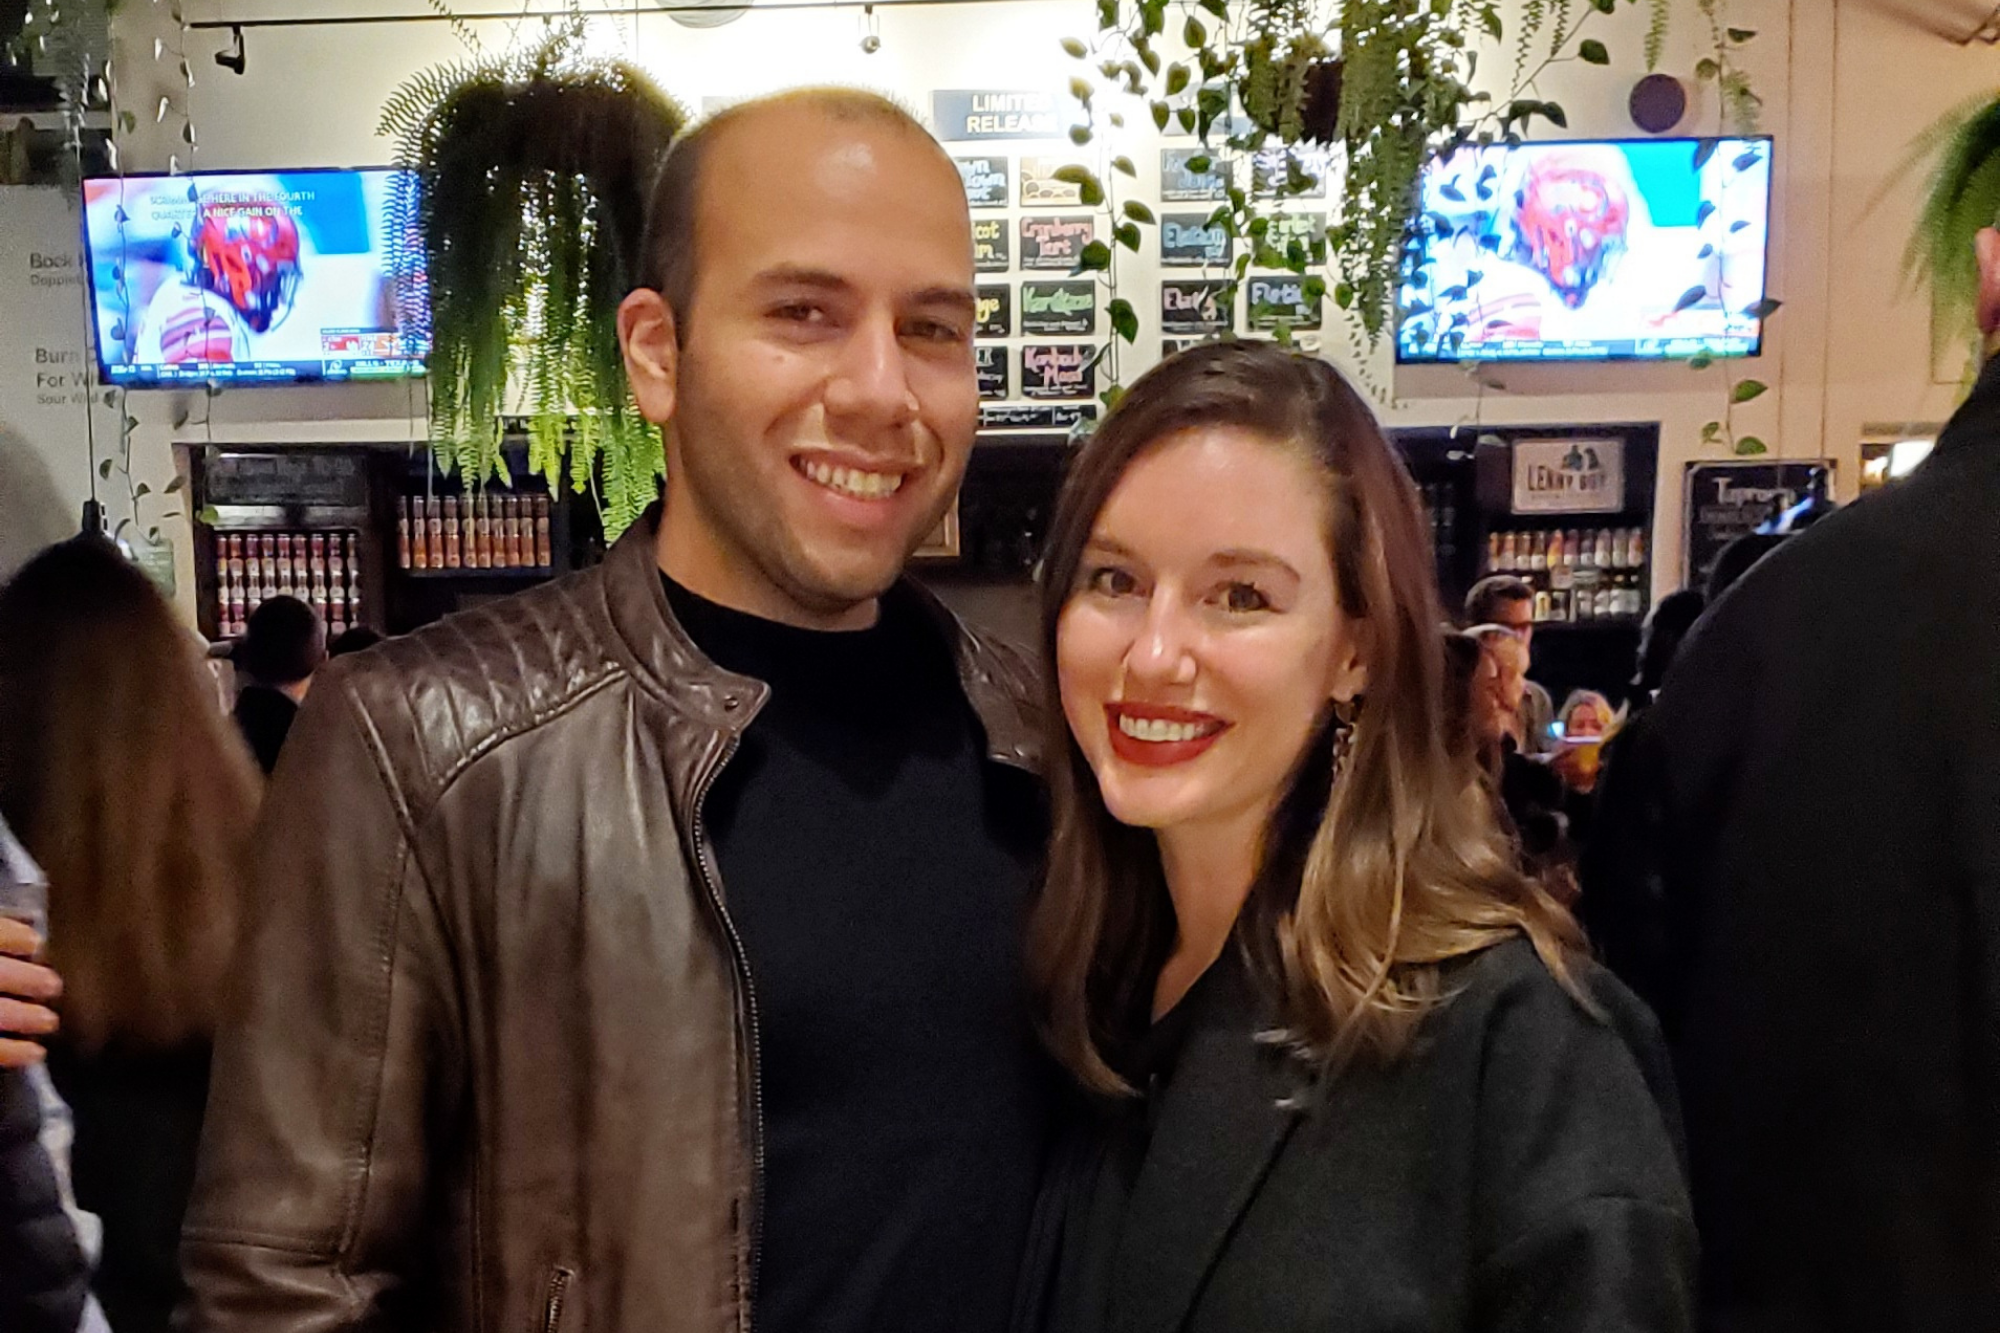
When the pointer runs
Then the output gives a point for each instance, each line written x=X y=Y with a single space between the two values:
x=1220 y=1126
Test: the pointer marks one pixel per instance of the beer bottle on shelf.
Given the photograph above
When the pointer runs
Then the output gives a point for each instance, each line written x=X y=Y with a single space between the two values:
x=1638 y=548
x=482 y=531
x=434 y=530
x=513 y=531
x=452 y=552
x=1492 y=552
x=420 y=557
x=542 y=552
x=1556 y=551
x=1604 y=548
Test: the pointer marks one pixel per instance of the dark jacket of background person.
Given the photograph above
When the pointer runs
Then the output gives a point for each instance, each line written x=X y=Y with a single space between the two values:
x=1500 y=1177
x=1821 y=937
x=126 y=783
x=43 y=1276
x=265 y=715
x=282 y=647
x=462 y=1097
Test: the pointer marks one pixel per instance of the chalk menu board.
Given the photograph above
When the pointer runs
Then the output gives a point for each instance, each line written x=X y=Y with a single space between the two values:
x=300 y=478
x=1724 y=500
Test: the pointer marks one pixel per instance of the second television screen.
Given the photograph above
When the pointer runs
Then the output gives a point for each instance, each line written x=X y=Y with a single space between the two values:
x=1619 y=249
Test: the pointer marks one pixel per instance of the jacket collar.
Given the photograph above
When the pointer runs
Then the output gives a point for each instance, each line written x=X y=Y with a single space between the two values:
x=998 y=684
x=1978 y=417
x=1230 y=1107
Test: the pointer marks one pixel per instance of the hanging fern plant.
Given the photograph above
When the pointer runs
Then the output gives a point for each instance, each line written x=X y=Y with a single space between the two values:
x=1962 y=197
x=524 y=215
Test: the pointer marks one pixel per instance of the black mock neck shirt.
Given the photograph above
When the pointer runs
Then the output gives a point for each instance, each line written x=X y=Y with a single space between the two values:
x=877 y=866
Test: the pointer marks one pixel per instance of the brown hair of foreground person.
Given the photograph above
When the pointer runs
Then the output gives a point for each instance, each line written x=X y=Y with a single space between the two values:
x=1368 y=883
x=130 y=788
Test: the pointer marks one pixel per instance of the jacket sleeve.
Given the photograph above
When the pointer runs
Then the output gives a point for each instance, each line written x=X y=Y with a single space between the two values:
x=1584 y=1223
x=309 y=1208
x=44 y=1278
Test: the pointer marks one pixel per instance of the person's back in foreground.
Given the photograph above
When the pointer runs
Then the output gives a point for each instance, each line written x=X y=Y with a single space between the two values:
x=602 y=984
x=1822 y=940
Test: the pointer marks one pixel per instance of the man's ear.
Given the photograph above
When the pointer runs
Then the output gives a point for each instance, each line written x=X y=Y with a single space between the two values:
x=652 y=353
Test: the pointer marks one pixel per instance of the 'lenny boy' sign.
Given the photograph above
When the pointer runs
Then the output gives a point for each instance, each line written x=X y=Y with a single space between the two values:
x=992 y=364
x=998 y=113
x=993 y=315
x=985 y=180
x=1194 y=307
x=1275 y=301
x=1055 y=242
x=1058 y=307
x=989 y=245
x=1053 y=370
x=1180 y=185
x=1187 y=241
x=1569 y=476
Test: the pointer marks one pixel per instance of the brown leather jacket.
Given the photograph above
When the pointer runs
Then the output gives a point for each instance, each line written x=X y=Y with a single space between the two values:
x=494 y=1068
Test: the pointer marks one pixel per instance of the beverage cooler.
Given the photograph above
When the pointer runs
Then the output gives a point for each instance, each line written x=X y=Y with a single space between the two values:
x=1567 y=509
x=371 y=535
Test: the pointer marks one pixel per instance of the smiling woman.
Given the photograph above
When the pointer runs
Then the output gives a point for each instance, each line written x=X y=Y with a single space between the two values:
x=1355 y=1070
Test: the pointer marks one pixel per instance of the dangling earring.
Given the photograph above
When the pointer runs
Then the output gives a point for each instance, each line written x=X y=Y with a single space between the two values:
x=1346 y=713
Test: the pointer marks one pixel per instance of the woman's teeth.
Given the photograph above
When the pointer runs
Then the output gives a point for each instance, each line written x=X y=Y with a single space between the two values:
x=1159 y=730
x=850 y=481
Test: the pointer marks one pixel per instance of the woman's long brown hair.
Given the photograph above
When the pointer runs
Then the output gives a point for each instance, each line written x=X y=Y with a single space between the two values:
x=126 y=782
x=1368 y=883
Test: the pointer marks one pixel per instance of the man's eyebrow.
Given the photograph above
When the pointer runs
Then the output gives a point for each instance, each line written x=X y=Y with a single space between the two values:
x=958 y=298
x=794 y=275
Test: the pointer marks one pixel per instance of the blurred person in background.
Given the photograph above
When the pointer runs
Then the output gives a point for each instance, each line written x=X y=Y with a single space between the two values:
x=129 y=787
x=1529 y=790
x=284 y=645
x=1509 y=603
x=1820 y=928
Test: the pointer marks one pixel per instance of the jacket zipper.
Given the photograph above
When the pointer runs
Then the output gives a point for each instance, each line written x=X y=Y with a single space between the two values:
x=552 y=1309
x=741 y=958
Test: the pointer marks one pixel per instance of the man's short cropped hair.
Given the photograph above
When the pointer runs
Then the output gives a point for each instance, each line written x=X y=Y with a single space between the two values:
x=283 y=643
x=667 y=263
x=1483 y=603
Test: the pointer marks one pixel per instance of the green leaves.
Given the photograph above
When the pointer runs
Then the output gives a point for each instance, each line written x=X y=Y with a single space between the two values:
x=1122 y=165
x=1076 y=49
x=1592 y=52
x=1747 y=391
x=1080 y=135
x=1124 y=319
x=1748 y=446
x=1193 y=33
x=1177 y=78
x=207 y=515
x=1138 y=212
x=1690 y=298
x=1096 y=258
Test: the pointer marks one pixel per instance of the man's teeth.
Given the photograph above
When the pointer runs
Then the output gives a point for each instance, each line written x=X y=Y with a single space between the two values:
x=1159 y=730
x=851 y=481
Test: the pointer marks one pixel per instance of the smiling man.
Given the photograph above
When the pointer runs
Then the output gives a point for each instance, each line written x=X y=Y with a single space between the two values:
x=641 y=952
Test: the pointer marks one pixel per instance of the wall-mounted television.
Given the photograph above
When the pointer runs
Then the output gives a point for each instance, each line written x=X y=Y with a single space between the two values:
x=275 y=277
x=1606 y=250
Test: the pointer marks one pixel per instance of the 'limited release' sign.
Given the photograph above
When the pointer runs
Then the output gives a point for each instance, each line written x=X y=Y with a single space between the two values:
x=1051 y=370
x=999 y=113
x=1058 y=308
x=1055 y=243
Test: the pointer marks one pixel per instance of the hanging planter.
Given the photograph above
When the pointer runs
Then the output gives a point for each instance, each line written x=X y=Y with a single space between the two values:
x=525 y=216
x=1961 y=198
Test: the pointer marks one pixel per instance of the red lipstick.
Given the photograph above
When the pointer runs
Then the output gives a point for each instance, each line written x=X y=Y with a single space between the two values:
x=1160 y=753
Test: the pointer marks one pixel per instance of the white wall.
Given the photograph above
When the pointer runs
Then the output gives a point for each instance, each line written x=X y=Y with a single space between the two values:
x=1847 y=85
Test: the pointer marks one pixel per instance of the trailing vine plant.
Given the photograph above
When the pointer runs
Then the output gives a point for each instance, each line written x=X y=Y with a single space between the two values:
x=1387 y=85
x=522 y=215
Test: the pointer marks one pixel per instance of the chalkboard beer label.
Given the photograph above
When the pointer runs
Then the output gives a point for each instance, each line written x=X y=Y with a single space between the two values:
x=1195 y=306
x=1275 y=301
x=1055 y=243
x=1187 y=241
x=1041 y=189
x=991 y=361
x=1057 y=370
x=989 y=245
x=1181 y=185
x=994 y=312
x=1058 y=307
x=985 y=180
